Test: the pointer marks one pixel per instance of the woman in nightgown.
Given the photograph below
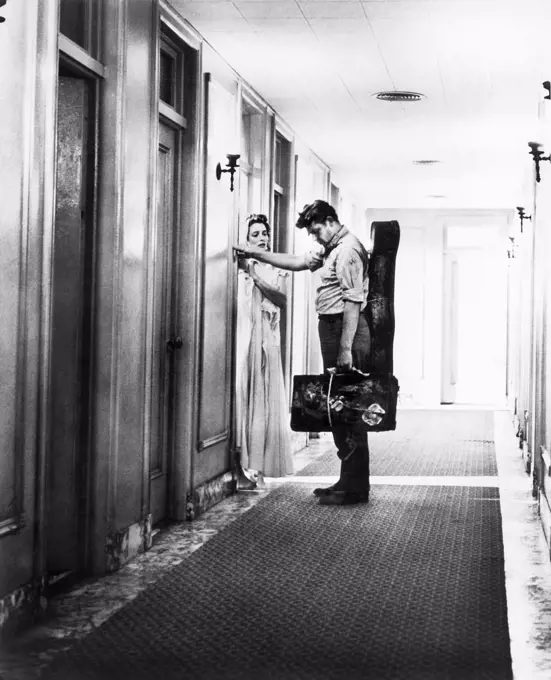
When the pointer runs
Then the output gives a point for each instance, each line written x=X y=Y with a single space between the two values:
x=262 y=413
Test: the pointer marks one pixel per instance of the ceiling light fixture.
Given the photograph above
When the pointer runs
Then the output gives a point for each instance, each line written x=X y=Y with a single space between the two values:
x=427 y=161
x=399 y=96
x=436 y=196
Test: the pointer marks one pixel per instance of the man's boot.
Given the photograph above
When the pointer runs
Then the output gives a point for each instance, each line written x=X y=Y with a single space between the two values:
x=339 y=484
x=353 y=484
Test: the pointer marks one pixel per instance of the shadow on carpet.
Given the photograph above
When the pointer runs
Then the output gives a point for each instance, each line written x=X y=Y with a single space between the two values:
x=408 y=587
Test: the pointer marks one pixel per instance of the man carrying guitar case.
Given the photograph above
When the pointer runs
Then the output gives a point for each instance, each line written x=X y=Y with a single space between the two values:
x=354 y=303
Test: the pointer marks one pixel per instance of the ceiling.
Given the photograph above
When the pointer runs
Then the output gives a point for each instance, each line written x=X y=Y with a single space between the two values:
x=480 y=64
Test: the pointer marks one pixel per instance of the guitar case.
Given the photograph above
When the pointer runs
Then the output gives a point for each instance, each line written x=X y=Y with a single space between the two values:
x=321 y=402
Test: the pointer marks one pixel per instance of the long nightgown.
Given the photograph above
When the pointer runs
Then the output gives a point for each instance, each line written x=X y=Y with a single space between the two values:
x=262 y=413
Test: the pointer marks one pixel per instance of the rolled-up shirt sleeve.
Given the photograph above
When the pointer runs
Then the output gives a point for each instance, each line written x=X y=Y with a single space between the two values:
x=349 y=270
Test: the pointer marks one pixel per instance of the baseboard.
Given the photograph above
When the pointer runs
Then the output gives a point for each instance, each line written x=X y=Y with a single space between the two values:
x=209 y=494
x=526 y=456
x=22 y=607
x=122 y=546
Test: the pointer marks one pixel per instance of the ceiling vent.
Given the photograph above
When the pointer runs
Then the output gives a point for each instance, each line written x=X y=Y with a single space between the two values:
x=399 y=96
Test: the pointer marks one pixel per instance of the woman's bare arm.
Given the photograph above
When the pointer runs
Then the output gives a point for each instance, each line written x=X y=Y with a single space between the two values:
x=278 y=297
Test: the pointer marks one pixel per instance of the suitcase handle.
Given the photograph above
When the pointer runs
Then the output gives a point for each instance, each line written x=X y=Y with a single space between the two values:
x=333 y=372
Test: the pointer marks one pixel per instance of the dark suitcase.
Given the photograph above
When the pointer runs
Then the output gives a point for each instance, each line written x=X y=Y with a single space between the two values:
x=321 y=402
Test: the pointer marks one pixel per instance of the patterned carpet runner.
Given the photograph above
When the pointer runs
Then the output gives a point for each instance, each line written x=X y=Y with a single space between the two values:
x=407 y=587
x=426 y=443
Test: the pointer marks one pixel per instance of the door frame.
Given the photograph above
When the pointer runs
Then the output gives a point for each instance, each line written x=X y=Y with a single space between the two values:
x=82 y=66
x=186 y=267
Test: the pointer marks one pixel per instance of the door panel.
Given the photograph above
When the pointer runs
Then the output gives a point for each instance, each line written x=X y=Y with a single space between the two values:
x=162 y=349
x=215 y=373
x=475 y=319
x=67 y=326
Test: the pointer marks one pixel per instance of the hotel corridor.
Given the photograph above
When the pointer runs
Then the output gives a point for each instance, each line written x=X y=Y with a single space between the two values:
x=416 y=585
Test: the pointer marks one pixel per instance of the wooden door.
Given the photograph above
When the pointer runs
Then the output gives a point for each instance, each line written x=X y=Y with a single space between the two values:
x=165 y=341
x=70 y=343
x=219 y=271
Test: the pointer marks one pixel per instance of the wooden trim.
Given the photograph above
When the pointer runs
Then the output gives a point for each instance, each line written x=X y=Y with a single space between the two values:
x=204 y=444
x=200 y=171
x=110 y=216
x=231 y=316
x=252 y=98
x=187 y=293
x=149 y=274
x=76 y=54
x=172 y=116
x=25 y=305
x=180 y=26
x=12 y=525
x=268 y=141
x=272 y=187
x=42 y=187
x=283 y=128
x=200 y=257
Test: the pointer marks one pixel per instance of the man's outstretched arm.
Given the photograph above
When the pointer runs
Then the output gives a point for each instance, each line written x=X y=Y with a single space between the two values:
x=288 y=261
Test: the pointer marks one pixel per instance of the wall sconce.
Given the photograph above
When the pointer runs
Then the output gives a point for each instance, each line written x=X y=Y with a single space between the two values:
x=523 y=216
x=547 y=86
x=231 y=167
x=537 y=155
x=512 y=248
x=2 y=3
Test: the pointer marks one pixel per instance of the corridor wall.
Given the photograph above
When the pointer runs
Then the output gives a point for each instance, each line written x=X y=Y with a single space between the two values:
x=530 y=376
x=151 y=438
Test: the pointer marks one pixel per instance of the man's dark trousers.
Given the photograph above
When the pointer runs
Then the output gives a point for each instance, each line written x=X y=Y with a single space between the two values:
x=351 y=441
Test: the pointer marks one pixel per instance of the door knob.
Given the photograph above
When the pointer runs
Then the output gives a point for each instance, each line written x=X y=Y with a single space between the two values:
x=174 y=343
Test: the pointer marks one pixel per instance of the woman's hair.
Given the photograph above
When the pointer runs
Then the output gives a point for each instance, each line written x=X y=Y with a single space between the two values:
x=317 y=212
x=258 y=219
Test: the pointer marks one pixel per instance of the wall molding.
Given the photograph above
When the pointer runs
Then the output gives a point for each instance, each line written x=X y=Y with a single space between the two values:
x=212 y=441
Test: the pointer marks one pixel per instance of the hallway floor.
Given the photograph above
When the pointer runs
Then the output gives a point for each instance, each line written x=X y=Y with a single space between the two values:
x=74 y=614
